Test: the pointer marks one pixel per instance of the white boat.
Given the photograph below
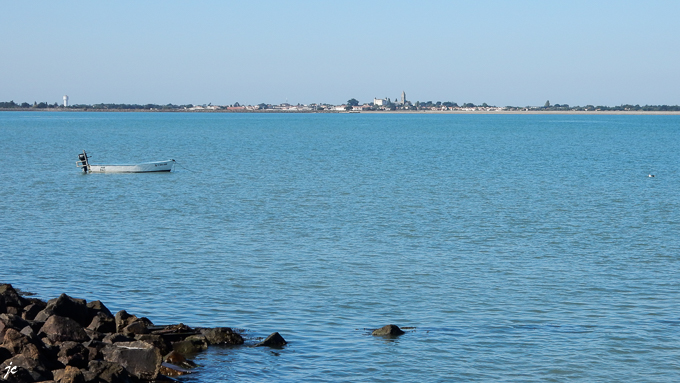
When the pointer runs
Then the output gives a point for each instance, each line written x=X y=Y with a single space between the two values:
x=145 y=167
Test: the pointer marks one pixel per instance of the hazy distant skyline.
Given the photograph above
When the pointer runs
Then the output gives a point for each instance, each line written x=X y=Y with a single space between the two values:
x=498 y=52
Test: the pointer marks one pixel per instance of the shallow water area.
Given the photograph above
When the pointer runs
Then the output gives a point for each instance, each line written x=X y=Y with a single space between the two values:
x=518 y=247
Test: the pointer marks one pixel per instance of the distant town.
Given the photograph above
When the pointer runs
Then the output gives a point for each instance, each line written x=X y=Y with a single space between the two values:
x=351 y=106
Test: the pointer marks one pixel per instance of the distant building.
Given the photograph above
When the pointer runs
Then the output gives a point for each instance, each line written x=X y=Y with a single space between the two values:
x=379 y=101
x=65 y=101
x=403 y=98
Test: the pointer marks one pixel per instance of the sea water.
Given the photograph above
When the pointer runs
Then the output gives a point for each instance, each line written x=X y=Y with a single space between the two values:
x=525 y=248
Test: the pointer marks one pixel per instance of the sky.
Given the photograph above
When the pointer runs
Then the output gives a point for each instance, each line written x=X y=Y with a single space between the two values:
x=502 y=53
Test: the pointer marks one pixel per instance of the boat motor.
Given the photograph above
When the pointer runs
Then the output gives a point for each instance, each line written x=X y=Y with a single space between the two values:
x=82 y=162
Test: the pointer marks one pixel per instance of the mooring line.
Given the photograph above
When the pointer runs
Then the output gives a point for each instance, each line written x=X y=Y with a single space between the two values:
x=184 y=167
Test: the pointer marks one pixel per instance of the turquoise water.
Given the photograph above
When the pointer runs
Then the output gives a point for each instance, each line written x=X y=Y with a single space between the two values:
x=520 y=248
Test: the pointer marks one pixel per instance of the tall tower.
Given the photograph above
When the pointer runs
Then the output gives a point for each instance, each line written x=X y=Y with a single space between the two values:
x=65 y=101
x=403 y=98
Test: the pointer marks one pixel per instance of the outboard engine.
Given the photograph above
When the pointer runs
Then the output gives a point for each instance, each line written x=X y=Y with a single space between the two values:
x=82 y=162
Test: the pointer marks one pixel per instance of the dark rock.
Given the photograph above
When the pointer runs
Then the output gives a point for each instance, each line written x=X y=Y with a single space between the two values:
x=123 y=319
x=178 y=359
x=44 y=315
x=10 y=297
x=96 y=307
x=36 y=326
x=146 y=321
x=169 y=369
x=94 y=334
x=116 y=338
x=73 y=308
x=175 y=328
x=4 y=355
x=69 y=375
x=12 y=321
x=140 y=359
x=222 y=335
x=389 y=330
x=18 y=343
x=191 y=345
x=30 y=333
x=94 y=348
x=89 y=376
x=102 y=323
x=109 y=372
x=27 y=369
x=156 y=341
x=60 y=329
x=274 y=340
x=73 y=354
x=13 y=310
x=134 y=328
x=32 y=310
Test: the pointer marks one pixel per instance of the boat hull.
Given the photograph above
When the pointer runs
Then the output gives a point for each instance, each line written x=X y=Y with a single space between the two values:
x=147 y=167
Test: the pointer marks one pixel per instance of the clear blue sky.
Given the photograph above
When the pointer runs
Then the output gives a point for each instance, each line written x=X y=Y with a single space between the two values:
x=221 y=52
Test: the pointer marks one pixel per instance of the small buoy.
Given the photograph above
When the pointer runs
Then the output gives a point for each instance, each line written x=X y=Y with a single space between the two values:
x=651 y=175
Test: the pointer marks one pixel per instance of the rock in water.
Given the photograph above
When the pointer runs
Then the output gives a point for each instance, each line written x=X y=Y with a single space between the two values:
x=274 y=340
x=389 y=330
x=222 y=335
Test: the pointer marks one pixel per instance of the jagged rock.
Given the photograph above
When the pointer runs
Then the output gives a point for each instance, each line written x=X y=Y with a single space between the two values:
x=109 y=372
x=73 y=354
x=178 y=359
x=60 y=329
x=12 y=321
x=69 y=375
x=27 y=369
x=156 y=341
x=123 y=319
x=73 y=308
x=32 y=310
x=274 y=340
x=10 y=297
x=169 y=369
x=94 y=334
x=94 y=348
x=221 y=335
x=134 y=328
x=102 y=323
x=44 y=315
x=13 y=310
x=190 y=345
x=389 y=330
x=35 y=325
x=96 y=307
x=19 y=343
x=176 y=328
x=140 y=359
x=116 y=338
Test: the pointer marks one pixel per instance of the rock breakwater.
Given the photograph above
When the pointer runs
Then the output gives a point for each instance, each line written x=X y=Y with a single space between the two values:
x=69 y=340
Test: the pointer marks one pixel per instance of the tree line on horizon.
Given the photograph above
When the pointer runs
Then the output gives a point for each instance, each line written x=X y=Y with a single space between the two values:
x=418 y=105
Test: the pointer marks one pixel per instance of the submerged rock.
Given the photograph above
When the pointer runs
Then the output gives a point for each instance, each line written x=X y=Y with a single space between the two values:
x=274 y=340
x=221 y=335
x=389 y=330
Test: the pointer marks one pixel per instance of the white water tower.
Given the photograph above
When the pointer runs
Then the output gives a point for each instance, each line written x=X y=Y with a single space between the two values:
x=65 y=101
